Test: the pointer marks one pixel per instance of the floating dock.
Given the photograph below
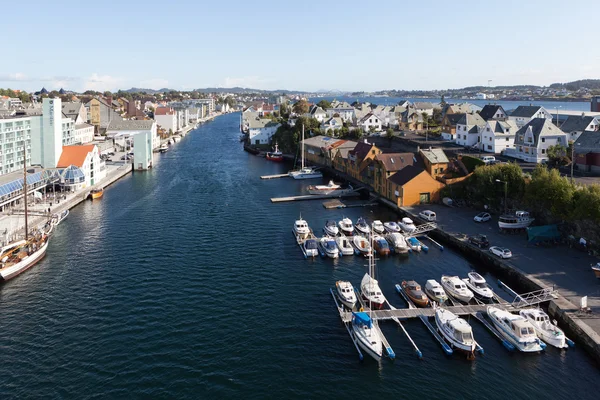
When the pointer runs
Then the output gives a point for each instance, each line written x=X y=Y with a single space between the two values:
x=312 y=197
x=274 y=176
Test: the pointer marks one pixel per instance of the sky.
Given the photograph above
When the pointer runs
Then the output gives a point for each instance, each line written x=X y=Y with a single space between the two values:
x=297 y=45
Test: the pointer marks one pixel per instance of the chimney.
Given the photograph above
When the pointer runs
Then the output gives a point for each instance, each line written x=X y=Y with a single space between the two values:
x=429 y=148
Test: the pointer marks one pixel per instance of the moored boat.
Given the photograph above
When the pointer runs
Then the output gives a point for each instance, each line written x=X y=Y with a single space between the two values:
x=331 y=188
x=547 y=331
x=311 y=247
x=361 y=244
x=344 y=245
x=346 y=294
x=370 y=291
x=367 y=334
x=58 y=218
x=96 y=193
x=477 y=284
x=407 y=225
x=516 y=329
x=381 y=246
x=391 y=227
x=346 y=226
x=362 y=226
x=397 y=242
x=413 y=290
x=163 y=148
x=276 y=155
x=413 y=243
x=331 y=228
x=455 y=330
x=329 y=247
x=435 y=291
x=378 y=227
x=456 y=288
x=596 y=269
x=518 y=220
x=301 y=228
x=305 y=172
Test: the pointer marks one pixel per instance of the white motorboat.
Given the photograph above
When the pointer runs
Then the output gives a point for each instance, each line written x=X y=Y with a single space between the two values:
x=58 y=218
x=455 y=330
x=407 y=225
x=331 y=228
x=398 y=242
x=362 y=226
x=414 y=244
x=305 y=172
x=477 y=284
x=345 y=292
x=516 y=329
x=163 y=148
x=346 y=226
x=329 y=247
x=367 y=334
x=378 y=227
x=456 y=288
x=370 y=291
x=391 y=227
x=518 y=220
x=547 y=331
x=301 y=228
x=311 y=247
x=344 y=245
x=435 y=291
x=361 y=244
x=330 y=189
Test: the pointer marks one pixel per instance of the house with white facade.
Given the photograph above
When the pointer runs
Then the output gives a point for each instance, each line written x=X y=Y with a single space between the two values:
x=260 y=130
x=468 y=130
x=80 y=166
x=497 y=136
x=122 y=132
x=370 y=122
x=492 y=111
x=331 y=124
x=317 y=113
x=575 y=125
x=423 y=107
x=166 y=118
x=533 y=139
x=344 y=110
x=523 y=114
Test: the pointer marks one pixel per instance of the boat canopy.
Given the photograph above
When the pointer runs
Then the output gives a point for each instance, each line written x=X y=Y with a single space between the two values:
x=407 y=221
x=537 y=234
x=310 y=244
x=362 y=318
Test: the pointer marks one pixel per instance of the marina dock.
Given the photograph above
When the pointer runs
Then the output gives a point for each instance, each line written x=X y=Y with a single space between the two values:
x=274 y=176
x=312 y=197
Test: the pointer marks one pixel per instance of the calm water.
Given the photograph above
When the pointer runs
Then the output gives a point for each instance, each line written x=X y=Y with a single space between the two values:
x=186 y=282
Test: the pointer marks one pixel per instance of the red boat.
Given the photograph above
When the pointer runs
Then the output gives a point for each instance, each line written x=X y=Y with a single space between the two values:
x=276 y=155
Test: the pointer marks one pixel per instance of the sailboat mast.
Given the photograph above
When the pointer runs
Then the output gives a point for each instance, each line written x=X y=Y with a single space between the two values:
x=25 y=187
x=302 y=146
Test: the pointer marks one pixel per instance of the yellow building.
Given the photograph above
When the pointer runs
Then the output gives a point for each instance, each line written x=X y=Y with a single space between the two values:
x=435 y=160
x=411 y=186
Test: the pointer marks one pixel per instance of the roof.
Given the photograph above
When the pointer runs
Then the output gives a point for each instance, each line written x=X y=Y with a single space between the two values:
x=74 y=155
x=434 y=155
x=164 y=111
x=322 y=141
x=420 y=105
x=489 y=111
x=588 y=142
x=396 y=161
x=405 y=175
x=460 y=108
x=366 y=117
x=71 y=109
x=501 y=127
x=346 y=147
x=316 y=109
x=539 y=126
x=453 y=119
x=576 y=123
x=337 y=120
x=471 y=121
x=258 y=123
x=362 y=149
x=130 y=125
x=525 y=111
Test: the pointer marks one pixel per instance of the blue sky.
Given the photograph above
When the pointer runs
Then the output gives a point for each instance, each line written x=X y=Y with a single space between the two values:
x=303 y=45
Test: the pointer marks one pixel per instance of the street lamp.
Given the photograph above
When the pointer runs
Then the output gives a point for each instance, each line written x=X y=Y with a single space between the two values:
x=505 y=192
x=557 y=115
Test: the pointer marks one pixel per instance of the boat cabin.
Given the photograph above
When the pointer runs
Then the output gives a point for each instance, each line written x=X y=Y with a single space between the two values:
x=518 y=216
x=310 y=244
x=477 y=280
x=460 y=330
x=521 y=328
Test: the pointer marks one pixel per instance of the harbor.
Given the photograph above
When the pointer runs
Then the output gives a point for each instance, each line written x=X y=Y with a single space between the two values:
x=118 y=307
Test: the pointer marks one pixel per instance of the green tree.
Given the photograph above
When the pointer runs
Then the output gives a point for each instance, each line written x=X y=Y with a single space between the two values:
x=324 y=104
x=557 y=155
x=425 y=117
x=550 y=194
x=301 y=107
x=107 y=93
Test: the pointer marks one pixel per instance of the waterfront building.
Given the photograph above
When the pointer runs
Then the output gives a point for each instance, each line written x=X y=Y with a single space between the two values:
x=468 y=129
x=11 y=185
x=533 y=139
x=50 y=132
x=412 y=185
x=142 y=150
x=122 y=132
x=449 y=125
x=340 y=156
x=15 y=135
x=260 y=130
x=575 y=125
x=80 y=166
x=523 y=114
x=587 y=152
x=167 y=118
x=497 y=136
x=435 y=160
x=385 y=165
x=360 y=157
x=492 y=111
x=411 y=120
x=320 y=150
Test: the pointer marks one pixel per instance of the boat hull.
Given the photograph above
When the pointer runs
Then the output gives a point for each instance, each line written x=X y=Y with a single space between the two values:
x=366 y=346
x=453 y=342
x=274 y=158
x=529 y=347
x=374 y=304
x=516 y=225
x=20 y=267
x=305 y=175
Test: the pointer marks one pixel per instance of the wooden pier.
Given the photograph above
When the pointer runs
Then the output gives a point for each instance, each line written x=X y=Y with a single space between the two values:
x=312 y=197
x=274 y=176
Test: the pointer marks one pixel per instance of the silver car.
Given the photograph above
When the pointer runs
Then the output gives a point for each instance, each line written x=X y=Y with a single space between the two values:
x=501 y=252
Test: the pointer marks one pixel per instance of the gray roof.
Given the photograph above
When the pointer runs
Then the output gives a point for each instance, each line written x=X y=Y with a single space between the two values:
x=422 y=105
x=588 y=142
x=434 y=156
x=316 y=109
x=539 y=127
x=489 y=111
x=454 y=119
x=130 y=125
x=258 y=123
x=472 y=121
x=525 y=111
x=576 y=123
x=501 y=127
x=71 y=109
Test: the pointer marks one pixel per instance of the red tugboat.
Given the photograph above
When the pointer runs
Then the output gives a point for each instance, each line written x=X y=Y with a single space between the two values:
x=276 y=155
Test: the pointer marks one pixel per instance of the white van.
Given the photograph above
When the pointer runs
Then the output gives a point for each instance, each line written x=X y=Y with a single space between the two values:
x=427 y=215
x=488 y=159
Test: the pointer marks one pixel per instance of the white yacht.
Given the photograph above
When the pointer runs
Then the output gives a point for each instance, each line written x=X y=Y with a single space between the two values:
x=329 y=247
x=477 y=284
x=367 y=334
x=391 y=227
x=369 y=288
x=362 y=226
x=378 y=227
x=345 y=292
x=407 y=225
x=331 y=228
x=456 y=288
x=456 y=330
x=344 y=245
x=361 y=244
x=305 y=172
x=516 y=329
x=435 y=291
x=329 y=189
x=301 y=228
x=346 y=226
x=398 y=242
x=547 y=331
x=518 y=220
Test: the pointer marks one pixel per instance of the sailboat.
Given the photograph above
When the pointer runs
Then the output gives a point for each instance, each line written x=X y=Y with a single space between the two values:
x=305 y=172
x=21 y=255
x=364 y=327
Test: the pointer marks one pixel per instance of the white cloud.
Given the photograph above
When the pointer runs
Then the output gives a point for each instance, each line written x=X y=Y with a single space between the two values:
x=156 y=83
x=16 y=77
x=101 y=83
x=253 y=82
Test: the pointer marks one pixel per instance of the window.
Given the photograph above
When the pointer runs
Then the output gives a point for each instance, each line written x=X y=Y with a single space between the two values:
x=543 y=151
x=507 y=139
x=488 y=129
x=442 y=169
x=543 y=140
x=490 y=139
x=489 y=146
x=435 y=170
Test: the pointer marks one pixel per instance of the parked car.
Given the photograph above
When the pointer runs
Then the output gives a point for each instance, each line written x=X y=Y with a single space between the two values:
x=501 y=252
x=482 y=217
x=479 y=241
x=108 y=160
x=427 y=215
x=488 y=159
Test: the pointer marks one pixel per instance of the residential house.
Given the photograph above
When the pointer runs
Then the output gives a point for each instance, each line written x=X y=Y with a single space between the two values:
x=497 y=136
x=492 y=111
x=317 y=113
x=385 y=165
x=575 y=125
x=468 y=130
x=435 y=160
x=386 y=115
x=80 y=166
x=360 y=157
x=461 y=108
x=523 y=114
x=533 y=139
x=423 y=107
x=449 y=126
x=587 y=152
x=370 y=122
x=321 y=150
x=260 y=130
x=166 y=118
x=411 y=186
x=331 y=125
x=411 y=120
x=404 y=103
x=122 y=132
x=342 y=109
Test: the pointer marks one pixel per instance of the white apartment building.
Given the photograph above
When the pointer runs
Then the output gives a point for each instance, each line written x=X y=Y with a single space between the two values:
x=497 y=136
x=123 y=132
x=15 y=134
x=167 y=118
x=80 y=166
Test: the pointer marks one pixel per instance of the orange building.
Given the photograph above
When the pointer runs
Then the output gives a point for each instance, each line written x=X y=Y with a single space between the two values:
x=435 y=160
x=385 y=165
x=412 y=185
x=359 y=159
